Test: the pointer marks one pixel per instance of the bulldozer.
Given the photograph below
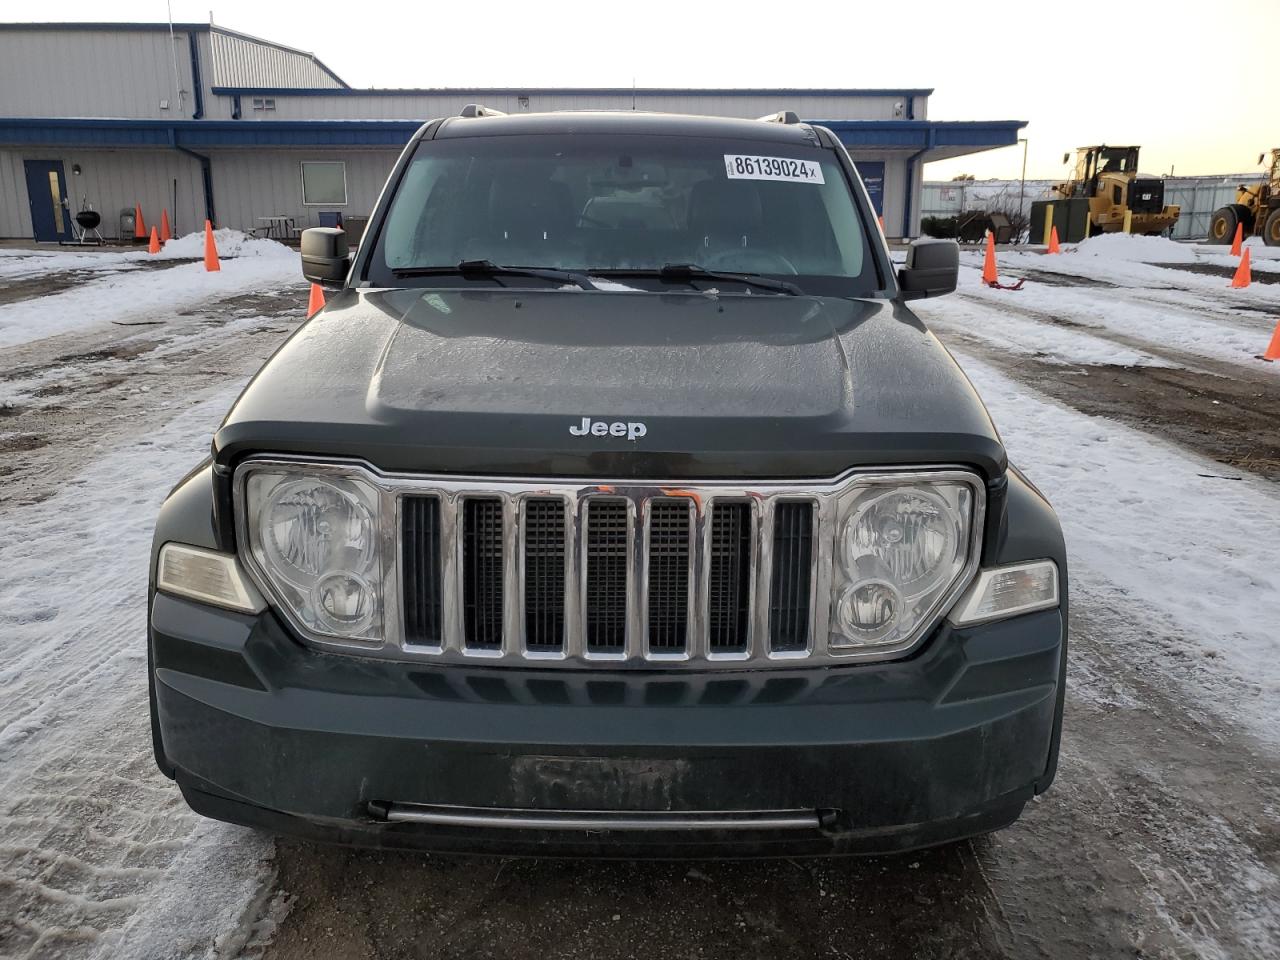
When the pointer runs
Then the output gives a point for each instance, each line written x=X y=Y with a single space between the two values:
x=1257 y=209
x=1108 y=177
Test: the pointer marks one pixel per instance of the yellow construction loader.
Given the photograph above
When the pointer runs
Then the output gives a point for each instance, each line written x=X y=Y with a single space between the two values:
x=1120 y=199
x=1257 y=209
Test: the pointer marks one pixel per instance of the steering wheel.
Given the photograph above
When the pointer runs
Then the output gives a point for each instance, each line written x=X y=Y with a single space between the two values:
x=748 y=260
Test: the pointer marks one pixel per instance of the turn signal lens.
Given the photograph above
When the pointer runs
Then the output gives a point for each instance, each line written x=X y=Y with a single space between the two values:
x=208 y=576
x=1008 y=591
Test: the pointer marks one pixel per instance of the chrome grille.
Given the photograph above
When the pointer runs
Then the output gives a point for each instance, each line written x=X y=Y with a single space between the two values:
x=622 y=574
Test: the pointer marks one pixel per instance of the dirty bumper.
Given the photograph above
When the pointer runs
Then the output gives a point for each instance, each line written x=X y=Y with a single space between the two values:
x=874 y=758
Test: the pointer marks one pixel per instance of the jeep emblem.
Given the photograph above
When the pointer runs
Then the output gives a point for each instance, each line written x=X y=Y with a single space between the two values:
x=631 y=429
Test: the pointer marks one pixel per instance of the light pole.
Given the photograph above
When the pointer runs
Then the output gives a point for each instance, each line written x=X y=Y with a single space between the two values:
x=1022 y=190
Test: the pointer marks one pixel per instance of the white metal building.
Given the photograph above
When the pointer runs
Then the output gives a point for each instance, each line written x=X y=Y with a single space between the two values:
x=202 y=121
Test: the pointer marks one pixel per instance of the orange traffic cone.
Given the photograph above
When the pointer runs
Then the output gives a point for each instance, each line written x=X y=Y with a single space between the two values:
x=1235 y=244
x=316 y=301
x=165 y=234
x=1243 y=275
x=139 y=225
x=1273 y=349
x=154 y=245
x=210 y=251
x=1053 y=241
x=989 y=275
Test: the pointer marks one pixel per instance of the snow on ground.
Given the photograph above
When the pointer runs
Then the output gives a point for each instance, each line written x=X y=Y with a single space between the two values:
x=78 y=788
x=1146 y=304
x=150 y=295
x=1167 y=531
x=18 y=262
x=1030 y=337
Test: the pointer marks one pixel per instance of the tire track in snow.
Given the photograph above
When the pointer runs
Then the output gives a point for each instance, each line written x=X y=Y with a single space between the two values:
x=99 y=855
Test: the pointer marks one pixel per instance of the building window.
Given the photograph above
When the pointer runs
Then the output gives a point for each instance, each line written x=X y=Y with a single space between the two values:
x=264 y=103
x=324 y=182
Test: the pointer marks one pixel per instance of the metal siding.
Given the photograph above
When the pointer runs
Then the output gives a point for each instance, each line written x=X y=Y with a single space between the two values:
x=15 y=211
x=241 y=62
x=85 y=73
x=111 y=181
x=249 y=184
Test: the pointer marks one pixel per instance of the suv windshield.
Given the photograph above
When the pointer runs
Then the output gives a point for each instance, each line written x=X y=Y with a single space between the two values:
x=596 y=204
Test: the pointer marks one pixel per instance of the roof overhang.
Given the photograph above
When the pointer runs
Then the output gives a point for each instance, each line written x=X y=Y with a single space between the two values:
x=922 y=139
x=925 y=139
x=197 y=134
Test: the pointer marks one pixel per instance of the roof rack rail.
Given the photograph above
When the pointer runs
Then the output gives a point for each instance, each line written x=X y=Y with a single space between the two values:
x=480 y=110
x=782 y=116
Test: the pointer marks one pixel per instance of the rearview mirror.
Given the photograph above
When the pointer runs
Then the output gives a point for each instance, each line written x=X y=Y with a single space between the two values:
x=932 y=269
x=326 y=259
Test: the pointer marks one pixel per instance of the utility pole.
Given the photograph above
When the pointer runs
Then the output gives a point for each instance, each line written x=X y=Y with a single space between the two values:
x=1022 y=190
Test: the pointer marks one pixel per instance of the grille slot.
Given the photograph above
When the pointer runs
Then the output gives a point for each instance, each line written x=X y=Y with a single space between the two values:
x=606 y=558
x=729 y=578
x=544 y=545
x=668 y=586
x=789 y=586
x=420 y=530
x=482 y=530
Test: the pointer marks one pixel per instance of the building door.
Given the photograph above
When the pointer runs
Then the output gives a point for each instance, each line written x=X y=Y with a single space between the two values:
x=872 y=174
x=47 y=194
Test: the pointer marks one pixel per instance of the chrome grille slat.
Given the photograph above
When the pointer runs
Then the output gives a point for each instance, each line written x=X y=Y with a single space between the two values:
x=729 y=578
x=666 y=555
x=609 y=593
x=484 y=573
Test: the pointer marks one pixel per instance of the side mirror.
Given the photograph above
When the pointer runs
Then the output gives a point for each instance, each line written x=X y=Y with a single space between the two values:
x=1066 y=158
x=932 y=269
x=325 y=257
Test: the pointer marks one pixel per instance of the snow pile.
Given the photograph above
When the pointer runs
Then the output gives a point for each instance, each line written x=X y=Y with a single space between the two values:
x=152 y=295
x=230 y=243
x=1132 y=247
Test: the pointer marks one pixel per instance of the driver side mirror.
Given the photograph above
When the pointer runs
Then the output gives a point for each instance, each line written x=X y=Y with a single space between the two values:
x=932 y=269
x=326 y=259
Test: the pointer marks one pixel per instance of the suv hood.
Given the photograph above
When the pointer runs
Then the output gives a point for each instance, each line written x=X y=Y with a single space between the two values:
x=491 y=381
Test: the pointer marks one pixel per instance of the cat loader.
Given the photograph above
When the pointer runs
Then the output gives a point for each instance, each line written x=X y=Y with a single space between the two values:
x=1257 y=209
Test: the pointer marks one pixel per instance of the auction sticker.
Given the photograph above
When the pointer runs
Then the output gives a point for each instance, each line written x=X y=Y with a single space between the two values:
x=740 y=167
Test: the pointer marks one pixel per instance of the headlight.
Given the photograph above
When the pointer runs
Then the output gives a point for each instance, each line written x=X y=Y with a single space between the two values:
x=316 y=538
x=903 y=548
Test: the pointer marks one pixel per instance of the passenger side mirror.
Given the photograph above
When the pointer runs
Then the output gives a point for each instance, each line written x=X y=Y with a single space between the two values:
x=932 y=269
x=326 y=259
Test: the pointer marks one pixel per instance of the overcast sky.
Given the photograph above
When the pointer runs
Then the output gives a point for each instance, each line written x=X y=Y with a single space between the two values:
x=1185 y=79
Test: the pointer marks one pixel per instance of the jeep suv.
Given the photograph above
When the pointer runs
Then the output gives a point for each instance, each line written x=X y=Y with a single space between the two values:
x=615 y=504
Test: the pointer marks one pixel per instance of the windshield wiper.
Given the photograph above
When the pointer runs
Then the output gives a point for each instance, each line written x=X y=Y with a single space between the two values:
x=487 y=268
x=691 y=271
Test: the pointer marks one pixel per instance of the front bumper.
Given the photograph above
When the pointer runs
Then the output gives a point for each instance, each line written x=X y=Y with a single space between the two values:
x=877 y=757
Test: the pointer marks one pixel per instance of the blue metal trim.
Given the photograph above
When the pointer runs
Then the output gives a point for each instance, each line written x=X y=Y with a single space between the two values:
x=197 y=85
x=206 y=133
x=779 y=92
x=107 y=26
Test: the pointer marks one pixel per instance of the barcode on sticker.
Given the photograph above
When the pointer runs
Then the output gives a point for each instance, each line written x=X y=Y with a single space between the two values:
x=741 y=167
